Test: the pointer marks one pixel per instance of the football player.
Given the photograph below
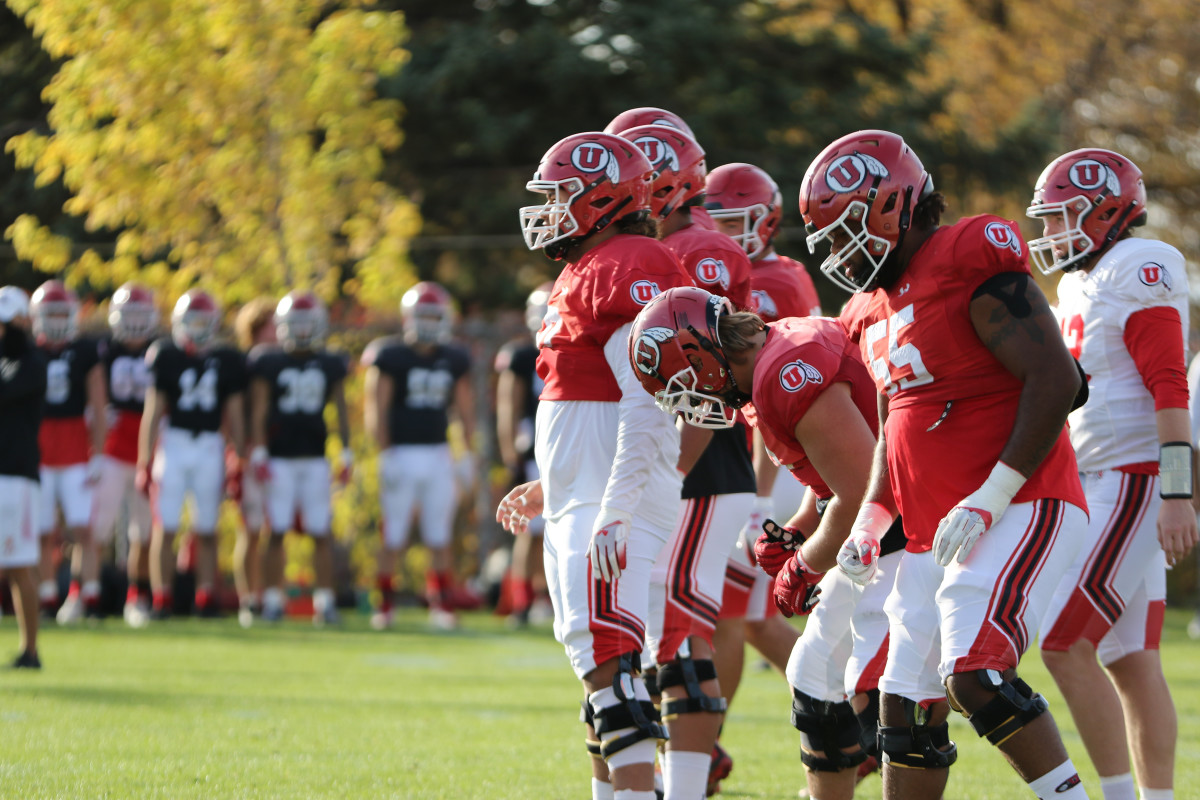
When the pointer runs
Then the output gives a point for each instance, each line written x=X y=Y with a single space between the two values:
x=718 y=490
x=71 y=441
x=518 y=387
x=1123 y=307
x=975 y=385
x=197 y=387
x=290 y=384
x=608 y=459
x=802 y=384
x=22 y=392
x=133 y=319
x=414 y=382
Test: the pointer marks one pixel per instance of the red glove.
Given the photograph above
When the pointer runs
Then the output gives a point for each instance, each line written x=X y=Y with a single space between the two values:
x=233 y=481
x=143 y=479
x=775 y=546
x=796 y=587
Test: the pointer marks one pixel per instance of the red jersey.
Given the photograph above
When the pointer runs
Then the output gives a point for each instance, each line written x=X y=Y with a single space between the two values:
x=714 y=262
x=801 y=358
x=591 y=299
x=781 y=287
x=952 y=404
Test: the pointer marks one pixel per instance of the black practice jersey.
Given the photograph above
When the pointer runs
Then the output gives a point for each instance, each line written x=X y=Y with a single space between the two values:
x=423 y=387
x=301 y=384
x=22 y=395
x=725 y=466
x=521 y=359
x=196 y=385
x=127 y=374
x=66 y=377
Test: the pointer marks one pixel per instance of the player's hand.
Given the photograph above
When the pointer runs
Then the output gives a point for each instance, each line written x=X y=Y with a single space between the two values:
x=347 y=470
x=859 y=556
x=95 y=467
x=519 y=506
x=607 y=550
x=1177 y=532
x=260 y=465
x=233 y=481
x=775 y=546
x=763 y=508
x=142 y=479
x=974 y=515
x=796 y=590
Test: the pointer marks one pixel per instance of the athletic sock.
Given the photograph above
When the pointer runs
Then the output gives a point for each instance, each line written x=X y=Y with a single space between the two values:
x=436 y=585
x=131 y=595
x=685 y=773
x=1156 y=794
x=633 y=794
x=161 y=600
x=48 y=593
x=322 y=600
x=1060 y=783
x=145 y=593
x=73 y=588
x=601 y=790
x=1118 y=787
x=384 y=583
x=204 y=598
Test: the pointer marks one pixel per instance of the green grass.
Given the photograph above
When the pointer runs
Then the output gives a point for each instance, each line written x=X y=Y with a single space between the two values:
x=203 y=709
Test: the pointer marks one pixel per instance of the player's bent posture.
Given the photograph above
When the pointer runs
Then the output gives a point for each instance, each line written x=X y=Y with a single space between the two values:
x=71 y=440
x=1123 y=307
x=133 y=318
x=198 y=385
x=608 y=457
x=975 y=385
x=290 y=384
x=414 y=382
x=802 y=383
x=22 y=392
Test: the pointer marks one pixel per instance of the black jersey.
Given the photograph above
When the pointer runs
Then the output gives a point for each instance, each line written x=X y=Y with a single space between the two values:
x=423 y=387
x=196 y=385
x=127 y=375
x=301 y=384
x=66 y=377
x=22 y=395
x=521 y=359
x=725 y=466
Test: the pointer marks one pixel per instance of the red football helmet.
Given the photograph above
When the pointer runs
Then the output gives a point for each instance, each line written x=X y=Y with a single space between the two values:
x=590 y=180
x=1099 y=195
x=676 y=353
x=678 y=163
x=132 y=314
x=301 y=321
x=862 y=189
x=194 y=320
x=52 y=311
x=427 y=313
x=746 y=193
x=14 y=305
x=647 y=115
x=536 y=305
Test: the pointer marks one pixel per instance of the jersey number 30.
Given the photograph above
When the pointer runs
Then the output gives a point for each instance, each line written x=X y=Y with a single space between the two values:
x=896 y=366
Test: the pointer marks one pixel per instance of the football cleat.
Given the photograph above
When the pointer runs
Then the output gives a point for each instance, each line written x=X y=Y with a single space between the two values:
x=381 y=620
x=71 y=611
x=327 y=619
x=718 y=769
x=442 y=619
x=136 y=614
x=27 y=660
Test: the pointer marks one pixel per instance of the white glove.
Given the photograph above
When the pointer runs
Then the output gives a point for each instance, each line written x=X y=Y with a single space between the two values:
x=607 y=549
x=764 y=509
x=961 y=528
x=260 y=464
x=95 y=466
x=859 y=556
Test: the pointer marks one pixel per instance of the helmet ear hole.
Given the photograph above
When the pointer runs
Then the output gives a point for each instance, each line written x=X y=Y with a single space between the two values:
x=890 y=203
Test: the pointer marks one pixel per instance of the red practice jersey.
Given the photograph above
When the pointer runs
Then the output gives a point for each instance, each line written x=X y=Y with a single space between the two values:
x=801 y=358
x=951 y=405
x=591 y=299
x=714 y=262
x=781 y=287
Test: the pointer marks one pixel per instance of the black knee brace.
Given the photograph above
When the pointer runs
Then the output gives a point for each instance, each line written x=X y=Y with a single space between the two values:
x=588 y=717
x=868 y=724
x=917 y=745
x=1013 y=707
x=825 y=728
x=641 y=715
x=688 y=672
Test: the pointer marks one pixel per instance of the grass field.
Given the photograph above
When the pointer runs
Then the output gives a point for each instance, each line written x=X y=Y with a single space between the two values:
x=204 y=709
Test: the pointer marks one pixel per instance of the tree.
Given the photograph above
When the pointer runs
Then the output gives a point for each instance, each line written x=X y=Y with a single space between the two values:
x=237 y=143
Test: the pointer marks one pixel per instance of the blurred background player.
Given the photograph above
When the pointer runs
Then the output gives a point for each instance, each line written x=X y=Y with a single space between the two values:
x=414 y=382
x=718 y=490
x=518 y=388
x=198 y=387
x=290 y=384
x=133 y=319
x=22 y=394
x=254 y=325
x=1123 y=307
x=71 y=441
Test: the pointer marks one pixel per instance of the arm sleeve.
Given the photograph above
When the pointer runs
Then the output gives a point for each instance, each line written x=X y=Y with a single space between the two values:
x=641 y=428
x=1154 y=338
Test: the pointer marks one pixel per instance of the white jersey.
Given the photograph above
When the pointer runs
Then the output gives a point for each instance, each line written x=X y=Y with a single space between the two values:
x=1117 y=426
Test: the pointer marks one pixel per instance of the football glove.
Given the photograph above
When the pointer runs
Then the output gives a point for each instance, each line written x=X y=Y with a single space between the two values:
x=775 y=546
x=859 y=556
x=763 y=508
x=796 y=590
x=960 y=529
x=607 y=549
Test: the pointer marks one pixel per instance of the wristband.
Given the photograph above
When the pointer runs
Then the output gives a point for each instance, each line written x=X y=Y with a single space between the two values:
x=1175 y=471
x=764 y=506
x=874 y=518
x=259 y=455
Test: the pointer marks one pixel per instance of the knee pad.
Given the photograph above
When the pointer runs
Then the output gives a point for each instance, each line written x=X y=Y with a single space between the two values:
x=688 y=672
x=868 y=724
x=623 y=716
x=1013 y=706
x=825 y=728
x=588 y=717
x=917 y=745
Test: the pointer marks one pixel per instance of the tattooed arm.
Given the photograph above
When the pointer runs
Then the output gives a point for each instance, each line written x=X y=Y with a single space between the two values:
x=1013 y=319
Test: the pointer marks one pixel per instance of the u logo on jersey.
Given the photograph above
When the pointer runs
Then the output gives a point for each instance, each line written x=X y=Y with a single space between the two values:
x=712 y=270
x=797 y=374
x=762 y=304
x=592 y=157
x=1153 y=274
x=1089 y=174
x=1002 y=236
x=846 y=173
x=643 y=292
